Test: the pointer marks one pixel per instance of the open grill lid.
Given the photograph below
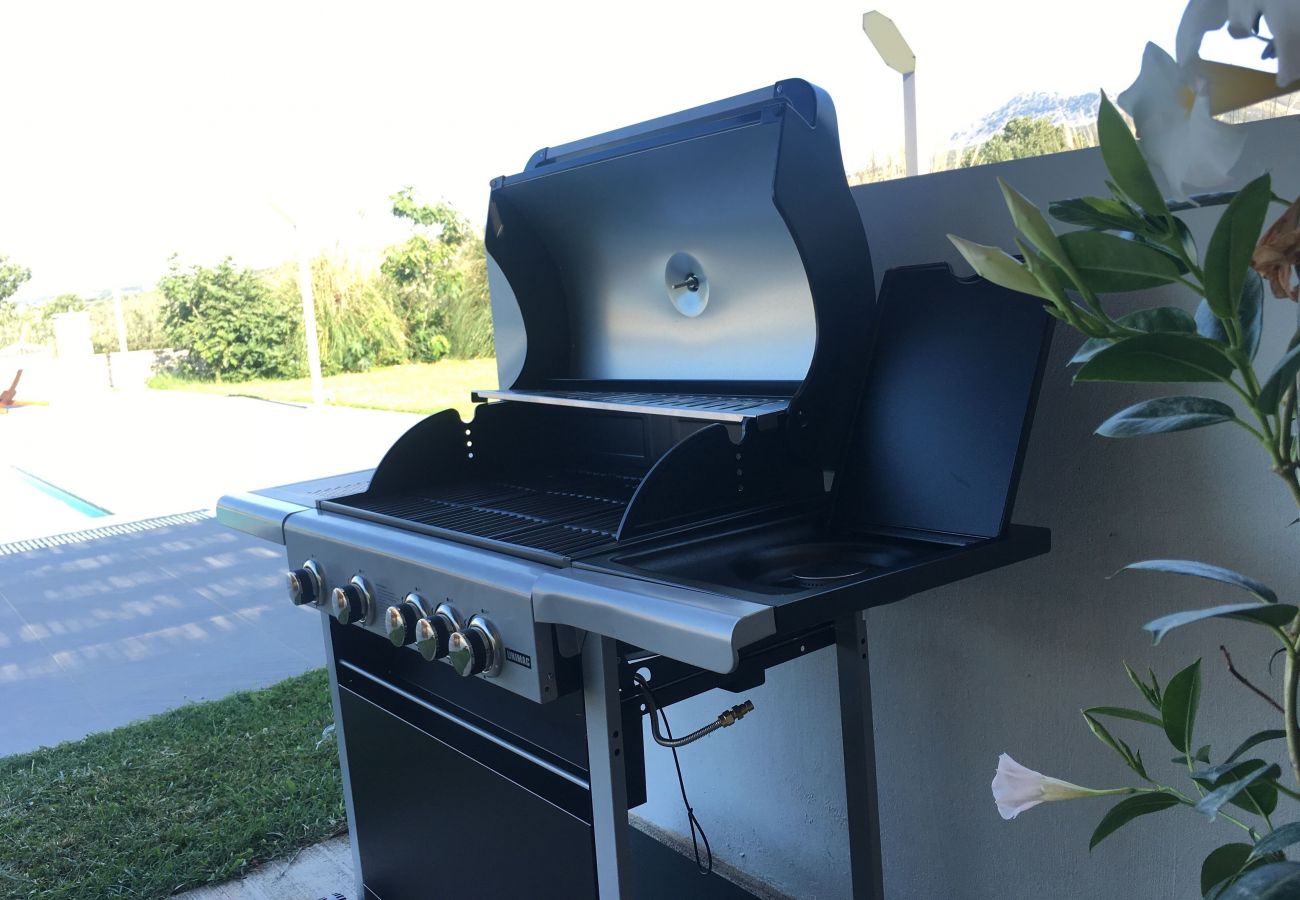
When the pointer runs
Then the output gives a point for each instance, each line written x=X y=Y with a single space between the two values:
x=709 y=264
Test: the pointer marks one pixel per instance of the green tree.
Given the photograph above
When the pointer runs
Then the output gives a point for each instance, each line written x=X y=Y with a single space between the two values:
x=234 y=326
x=12 y=277
x=439 y=281
x=1021 y=137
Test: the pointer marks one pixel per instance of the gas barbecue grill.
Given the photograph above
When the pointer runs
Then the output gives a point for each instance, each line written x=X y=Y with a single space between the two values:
x=712 y=449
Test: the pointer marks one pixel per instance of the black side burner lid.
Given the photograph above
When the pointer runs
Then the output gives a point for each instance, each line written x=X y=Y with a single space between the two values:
x=951 y=388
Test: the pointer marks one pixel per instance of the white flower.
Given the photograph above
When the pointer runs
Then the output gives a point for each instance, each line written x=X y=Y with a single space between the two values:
x=1283 y=17
x=1170 y=105
x=1199 y=17
x=1016 y=789
x=1242 y=17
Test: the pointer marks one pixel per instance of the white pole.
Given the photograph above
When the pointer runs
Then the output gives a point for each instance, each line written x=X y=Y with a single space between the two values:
x=309 y=325
x=909 y=122
x=119 y=320
x=308 y=310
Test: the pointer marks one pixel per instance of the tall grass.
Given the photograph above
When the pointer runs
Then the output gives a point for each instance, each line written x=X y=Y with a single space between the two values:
x=469 y=311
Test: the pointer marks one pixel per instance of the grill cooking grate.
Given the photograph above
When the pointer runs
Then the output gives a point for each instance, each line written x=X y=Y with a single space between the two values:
x=562 y=514
x=700 y=406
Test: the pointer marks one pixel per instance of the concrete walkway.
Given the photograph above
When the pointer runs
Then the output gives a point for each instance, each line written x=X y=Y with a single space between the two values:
x=323 y=871
x=98 y=631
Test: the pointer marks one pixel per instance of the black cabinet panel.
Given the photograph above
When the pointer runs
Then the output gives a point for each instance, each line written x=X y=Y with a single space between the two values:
x=432 y=822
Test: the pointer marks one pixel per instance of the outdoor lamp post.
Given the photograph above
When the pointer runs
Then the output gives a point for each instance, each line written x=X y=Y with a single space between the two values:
x=895 y=52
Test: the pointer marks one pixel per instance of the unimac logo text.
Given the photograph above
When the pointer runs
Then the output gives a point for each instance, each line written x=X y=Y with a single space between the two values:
x=519 y=659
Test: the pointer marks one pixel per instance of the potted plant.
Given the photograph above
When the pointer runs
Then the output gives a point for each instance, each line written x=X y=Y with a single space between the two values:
x=1131 y=238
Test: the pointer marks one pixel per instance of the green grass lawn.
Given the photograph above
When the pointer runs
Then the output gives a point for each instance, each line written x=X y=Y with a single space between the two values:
x=418 y=387
x=192 y=796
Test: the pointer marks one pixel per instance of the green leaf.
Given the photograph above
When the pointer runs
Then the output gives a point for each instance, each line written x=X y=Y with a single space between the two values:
x=1049 y=275
x=1169 y=319
x=1277 y=840
x=1126 y=811
x=1158 y=358
x=1205 y=570
x=1121 y=712
x=1214 y=775
x=1227 y=258
x=1165 y=414
x=1185 y=238
x=1031 y=223
x=1281 y=378
x=1258 y=797
x=1201 y=755
x=1108 y=263
x=1151 y=693
x=1224 y=863
x=1273 y=614
x=996 y=266
x=1178 y=706
x=1275 y=881
x=1259 y=737
x=1211 y=803
x=1105 y=213
x=1124 y=161
x=1103 y=734
x=1250 y=313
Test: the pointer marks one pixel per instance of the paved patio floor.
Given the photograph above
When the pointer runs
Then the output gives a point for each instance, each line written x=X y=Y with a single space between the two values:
x=98 y=633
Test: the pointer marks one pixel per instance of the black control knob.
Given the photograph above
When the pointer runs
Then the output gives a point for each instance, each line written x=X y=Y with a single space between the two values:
x=400 y=621
x=471 y=651
x=350 y=603
x=433 y=636
x=305 y=585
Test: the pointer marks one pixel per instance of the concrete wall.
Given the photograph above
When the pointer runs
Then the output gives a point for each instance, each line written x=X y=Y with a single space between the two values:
x=47 y=377
x=1003 y=662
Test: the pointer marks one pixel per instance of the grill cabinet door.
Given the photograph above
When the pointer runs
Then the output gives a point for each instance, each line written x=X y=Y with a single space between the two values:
x=433 y=822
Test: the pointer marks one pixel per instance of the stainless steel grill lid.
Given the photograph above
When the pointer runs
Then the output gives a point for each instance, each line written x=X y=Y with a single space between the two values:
x=710 y=264
x=691 y=300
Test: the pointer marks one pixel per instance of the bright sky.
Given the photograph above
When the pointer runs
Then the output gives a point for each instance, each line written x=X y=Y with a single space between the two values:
x=133 y=131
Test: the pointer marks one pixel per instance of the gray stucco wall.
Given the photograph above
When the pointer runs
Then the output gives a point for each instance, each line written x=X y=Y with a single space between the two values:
x=1004 y=662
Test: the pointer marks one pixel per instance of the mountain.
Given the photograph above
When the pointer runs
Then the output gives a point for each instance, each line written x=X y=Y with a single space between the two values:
x=1079 y=111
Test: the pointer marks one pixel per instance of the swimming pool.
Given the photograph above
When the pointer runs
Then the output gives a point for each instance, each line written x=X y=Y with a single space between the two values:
x=85 y=507
x=32 y=507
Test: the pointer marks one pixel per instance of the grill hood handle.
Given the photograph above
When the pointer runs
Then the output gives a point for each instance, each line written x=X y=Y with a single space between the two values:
x=695 y=627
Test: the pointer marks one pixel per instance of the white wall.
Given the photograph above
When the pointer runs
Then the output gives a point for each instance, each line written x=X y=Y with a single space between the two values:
x=1005 y=661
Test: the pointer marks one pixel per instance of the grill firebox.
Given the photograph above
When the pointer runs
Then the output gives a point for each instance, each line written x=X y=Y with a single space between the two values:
x=564 y=513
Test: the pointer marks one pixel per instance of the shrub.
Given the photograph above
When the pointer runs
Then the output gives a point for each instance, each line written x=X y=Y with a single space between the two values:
x=235 y=327
x=356 y=324
x=439 y=282
x=469 y=308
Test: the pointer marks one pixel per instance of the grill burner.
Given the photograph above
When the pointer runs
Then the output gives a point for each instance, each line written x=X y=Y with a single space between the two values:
x=811 y=565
